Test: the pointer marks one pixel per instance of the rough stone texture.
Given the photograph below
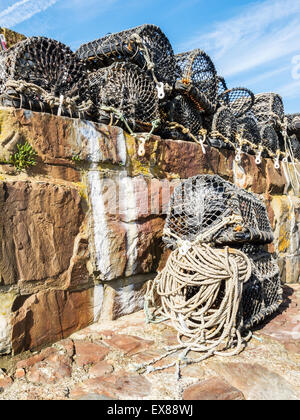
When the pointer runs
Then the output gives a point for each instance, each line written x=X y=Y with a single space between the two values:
x=81 y=238
x=257 y=382
x=11 y=37
x=212 y=389
x=38 y=226
x=129 y=344
x=89 y=353
x=49 y=316
x=267 y=369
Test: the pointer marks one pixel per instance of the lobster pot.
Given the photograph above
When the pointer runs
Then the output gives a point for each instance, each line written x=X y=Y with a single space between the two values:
x=269 y=139
x=125 y=88
x=44 y=63
x=146 y=42
x=221 y=85
x=248 y=129
x=223 y=128
x=293 y=126
x=195 y=67
x=295 y=146
x=182 y=110
x=262 y=293
x=239 y=100
x=199 y=206
x=268 y=109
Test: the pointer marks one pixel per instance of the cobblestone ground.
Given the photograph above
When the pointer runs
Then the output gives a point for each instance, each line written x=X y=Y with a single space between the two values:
x=98 y=363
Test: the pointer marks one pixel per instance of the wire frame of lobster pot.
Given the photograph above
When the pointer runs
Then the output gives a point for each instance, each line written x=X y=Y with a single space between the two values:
x=262 y=293
x=43 y=63
x=293 y=124
x=183 y=111
x=200 y=205
x=239 y=100
x=123 y=89
x=143 y=45
x=248 y=130
x=196 y=67
x=269 y=109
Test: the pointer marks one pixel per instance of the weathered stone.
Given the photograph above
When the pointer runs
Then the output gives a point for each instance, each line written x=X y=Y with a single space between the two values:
x=129 y=343
x=122 y=384
x=89 y=353
x=20 y=373
x=257 y=382
x=47 y=317
x=51 y=370
x=5 y=382
x=101 y=369
x=39 y=223
x=31 y=361
x=11 y=37
x=212 y=389
x=6 y=303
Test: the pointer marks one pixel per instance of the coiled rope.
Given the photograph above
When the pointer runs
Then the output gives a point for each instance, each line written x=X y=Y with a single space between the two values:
x=200 y=291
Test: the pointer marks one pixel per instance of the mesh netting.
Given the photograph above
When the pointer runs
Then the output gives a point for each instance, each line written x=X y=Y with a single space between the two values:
x=197 y=68
x=224 y=124
x=249 y=130
x=269 y=138
x=43 y=63
x=295 y=146
x=262 y=294
x=222 y=86
x=130 y=45
x=293 y=126
x=201 y=203
x=182 y=110
x=126 y=88
x=239 y=100
x=268 y=109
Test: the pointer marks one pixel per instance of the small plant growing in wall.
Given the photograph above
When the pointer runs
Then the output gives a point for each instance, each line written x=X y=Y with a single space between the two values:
x=76 y=158
x=24 y=157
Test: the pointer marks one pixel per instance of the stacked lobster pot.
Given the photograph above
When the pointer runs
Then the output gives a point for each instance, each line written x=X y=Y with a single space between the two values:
x=130 y=73
x=293 y=130
x=268 y=110
x=203 y=104
x=42 y=74
x=208 y=211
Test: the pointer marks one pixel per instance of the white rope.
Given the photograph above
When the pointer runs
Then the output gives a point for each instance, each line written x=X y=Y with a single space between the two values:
x=200 y=291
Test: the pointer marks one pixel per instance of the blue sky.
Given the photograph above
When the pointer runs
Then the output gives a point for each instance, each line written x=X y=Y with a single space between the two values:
x=255 y=44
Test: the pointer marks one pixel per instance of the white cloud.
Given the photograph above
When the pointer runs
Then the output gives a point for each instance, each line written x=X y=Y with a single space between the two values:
x=23 y=10
x=262 y=33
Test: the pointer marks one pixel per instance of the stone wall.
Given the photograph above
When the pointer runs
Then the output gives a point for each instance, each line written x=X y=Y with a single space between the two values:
x=81 y=230
x=11 y=37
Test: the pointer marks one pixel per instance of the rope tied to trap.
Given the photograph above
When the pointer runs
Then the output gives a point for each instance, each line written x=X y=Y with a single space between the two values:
x=199 y=291
x=21 y=86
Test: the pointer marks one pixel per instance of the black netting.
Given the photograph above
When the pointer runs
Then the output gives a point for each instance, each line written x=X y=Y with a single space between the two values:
x=182 y=110
x=45 y=63
x=222 y=86
x=126 y=88
x=224 y=124
x=239 y=100
x=268 y=109
x=269 y=138
x=295 y=146
x=248 y=129
x=197 y=68
x=125 y=46
x=293 y=126
x=202 y=202
x=262 y=293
